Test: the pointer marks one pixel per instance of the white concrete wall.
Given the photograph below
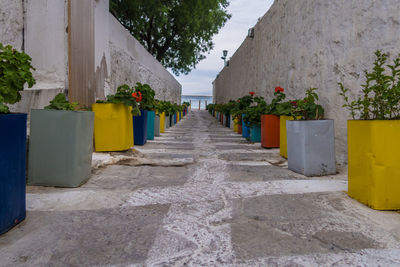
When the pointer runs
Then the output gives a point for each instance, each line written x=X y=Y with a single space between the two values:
x=42 y=32
x=11 y=23
x=46 y=41
x=131 y=63
x=312 y=43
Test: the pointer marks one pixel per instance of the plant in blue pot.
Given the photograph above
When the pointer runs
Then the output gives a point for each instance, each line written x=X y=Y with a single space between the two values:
x=243 y=103
x=253 y=118
x=15 y=72
x=145 y=97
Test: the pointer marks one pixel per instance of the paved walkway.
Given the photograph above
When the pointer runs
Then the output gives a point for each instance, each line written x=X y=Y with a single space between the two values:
x=216 y=201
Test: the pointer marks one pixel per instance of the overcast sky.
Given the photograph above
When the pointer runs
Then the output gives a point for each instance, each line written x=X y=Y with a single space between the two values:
x=245 y=14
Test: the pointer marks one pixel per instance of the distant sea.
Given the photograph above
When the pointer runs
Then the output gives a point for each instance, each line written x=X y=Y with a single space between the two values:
x=195 y=100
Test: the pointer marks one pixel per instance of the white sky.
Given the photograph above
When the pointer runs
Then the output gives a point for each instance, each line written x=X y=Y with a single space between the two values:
x=245 y=14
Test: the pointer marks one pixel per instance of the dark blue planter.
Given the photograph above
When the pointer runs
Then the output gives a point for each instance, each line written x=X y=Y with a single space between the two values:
x=228 y=120
x=12 y=170
x=140 y=128
x=255 y=134
x=151 y=116
x=175 y=118
x=245 y=128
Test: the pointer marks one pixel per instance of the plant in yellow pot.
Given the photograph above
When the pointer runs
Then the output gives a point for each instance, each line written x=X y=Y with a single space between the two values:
x=373 y=137
x=113 y=126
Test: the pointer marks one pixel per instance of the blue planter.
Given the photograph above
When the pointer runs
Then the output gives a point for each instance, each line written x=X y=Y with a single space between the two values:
x=12 y=170
x=174 y=118
x=140 y=128
x=228 y=120
x=151 y=115
x=245 y=128
x=255 y=134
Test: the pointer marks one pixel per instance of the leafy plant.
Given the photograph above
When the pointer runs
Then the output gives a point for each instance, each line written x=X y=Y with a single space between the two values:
x=242 y=104
x=15 y=71
x=380 y=99
x=60 y=102
x=147 y=96
x=124 y=96
x=253 y=113
x=306 y=108
x=274 y=107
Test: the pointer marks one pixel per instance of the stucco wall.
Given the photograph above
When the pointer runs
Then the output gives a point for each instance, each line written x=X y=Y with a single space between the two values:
x=131 y=63
x=312 y=43
x=11 y=23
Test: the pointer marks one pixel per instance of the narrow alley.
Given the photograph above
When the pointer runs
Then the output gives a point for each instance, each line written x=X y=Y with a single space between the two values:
x=216 y=200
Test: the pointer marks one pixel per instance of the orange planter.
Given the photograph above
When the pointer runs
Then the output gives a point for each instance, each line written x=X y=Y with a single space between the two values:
x=270 y=131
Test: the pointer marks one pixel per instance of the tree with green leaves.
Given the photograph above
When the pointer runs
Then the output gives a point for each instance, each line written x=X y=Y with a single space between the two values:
x=177 y=33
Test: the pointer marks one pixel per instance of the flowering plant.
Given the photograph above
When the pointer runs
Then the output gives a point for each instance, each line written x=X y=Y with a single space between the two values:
x=242 y=103
x=124 y=96
x=145 y=96
x=253 y=113
x=306 y=108
x=252 y=93
x=273 y=108
x=381 y=92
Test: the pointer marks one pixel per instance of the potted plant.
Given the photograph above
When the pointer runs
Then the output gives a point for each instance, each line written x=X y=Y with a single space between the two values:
x=60 y=144
x=373 y=143
x=285 y=111
x=113 y=127
x=253 y=118
x=243 y=103
x=270 y=120
x=144 y=95
x=15 y=72
x=310 y=140
x=157 y=118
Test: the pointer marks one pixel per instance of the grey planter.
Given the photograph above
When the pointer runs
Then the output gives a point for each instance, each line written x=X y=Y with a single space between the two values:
x=167 y=121
x=311 y=147
x=60 y=147
x=157 y=125
x=232 y=123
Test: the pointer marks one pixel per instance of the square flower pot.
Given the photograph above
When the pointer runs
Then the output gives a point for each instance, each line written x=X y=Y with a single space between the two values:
x=157 y=125
x=12 y=170
x=228 y=120
x=311 y=147
x=171 y=120
x=151 y=116
x=174 y=118
x=60 y=147
x=245 y=128
x=113 y=127
x=140 y=128
x=236 y=125
x=269 y=131
x=373 y=170
x=231 y=122
x=255 y=134
x=167 y=121
x=282 y=135
x=162 y=122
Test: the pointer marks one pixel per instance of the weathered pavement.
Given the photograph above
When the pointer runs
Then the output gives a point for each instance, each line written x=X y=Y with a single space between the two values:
x=221 y=203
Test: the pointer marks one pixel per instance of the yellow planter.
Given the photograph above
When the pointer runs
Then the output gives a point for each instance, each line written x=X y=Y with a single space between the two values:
x=282 y=135
x=373 y=155
x=177 y=117
x=235 y=125
x=113 y=127
x=162 y=122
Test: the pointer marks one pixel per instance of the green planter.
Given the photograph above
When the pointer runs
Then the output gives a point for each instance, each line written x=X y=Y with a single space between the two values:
x=60 y=147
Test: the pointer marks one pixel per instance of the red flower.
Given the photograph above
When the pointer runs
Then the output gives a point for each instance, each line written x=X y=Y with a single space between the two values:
x=252 y=93
x=137 y=98
x=294 y=103
x=279 y=89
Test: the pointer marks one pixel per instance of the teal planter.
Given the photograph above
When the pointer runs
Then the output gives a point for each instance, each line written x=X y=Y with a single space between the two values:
x=255 y=134
x=150 y=125
x=245 y=128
